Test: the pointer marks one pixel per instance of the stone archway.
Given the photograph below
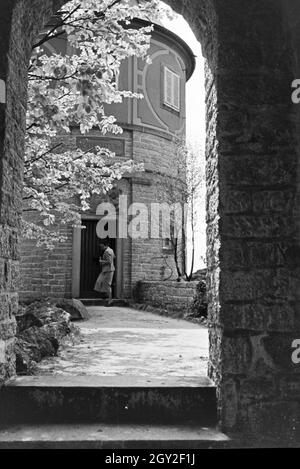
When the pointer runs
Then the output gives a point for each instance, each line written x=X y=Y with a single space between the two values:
x=252 y=51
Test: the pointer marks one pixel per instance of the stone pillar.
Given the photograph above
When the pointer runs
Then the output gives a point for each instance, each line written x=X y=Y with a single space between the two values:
x=8 y=179
x=253 y=218
x=19 y=23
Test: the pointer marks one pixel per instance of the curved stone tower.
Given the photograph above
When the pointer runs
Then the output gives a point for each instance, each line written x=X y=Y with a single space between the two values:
x=152 y=127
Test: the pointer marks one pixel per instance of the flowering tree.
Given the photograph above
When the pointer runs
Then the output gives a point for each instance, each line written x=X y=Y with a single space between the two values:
x=70 y=90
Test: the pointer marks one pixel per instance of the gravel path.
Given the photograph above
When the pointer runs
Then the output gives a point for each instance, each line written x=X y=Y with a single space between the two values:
x=128 y=343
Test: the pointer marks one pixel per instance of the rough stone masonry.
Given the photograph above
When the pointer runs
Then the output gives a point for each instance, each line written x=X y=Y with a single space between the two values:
x=252 y=50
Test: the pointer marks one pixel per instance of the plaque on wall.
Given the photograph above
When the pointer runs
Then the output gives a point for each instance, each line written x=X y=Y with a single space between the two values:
x=116 y=145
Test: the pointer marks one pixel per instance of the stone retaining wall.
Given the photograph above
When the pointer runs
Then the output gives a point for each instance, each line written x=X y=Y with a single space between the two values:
x=172 y=295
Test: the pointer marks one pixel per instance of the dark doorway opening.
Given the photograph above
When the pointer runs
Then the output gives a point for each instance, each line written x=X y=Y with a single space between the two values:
x=89 y=264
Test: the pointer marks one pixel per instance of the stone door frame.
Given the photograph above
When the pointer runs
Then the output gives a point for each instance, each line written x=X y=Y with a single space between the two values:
x=76 y=255
x=252 y=52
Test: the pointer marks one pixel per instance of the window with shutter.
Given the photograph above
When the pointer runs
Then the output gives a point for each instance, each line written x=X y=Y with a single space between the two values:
x=171 y=89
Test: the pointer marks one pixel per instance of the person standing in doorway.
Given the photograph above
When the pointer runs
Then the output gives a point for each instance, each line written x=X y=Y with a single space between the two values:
x=104 y=280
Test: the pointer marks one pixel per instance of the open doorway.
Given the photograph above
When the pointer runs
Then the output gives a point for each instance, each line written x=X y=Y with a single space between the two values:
x=89 y=260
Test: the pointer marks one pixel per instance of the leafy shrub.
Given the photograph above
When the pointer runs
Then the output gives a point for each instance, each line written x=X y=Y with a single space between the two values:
x=198 y=307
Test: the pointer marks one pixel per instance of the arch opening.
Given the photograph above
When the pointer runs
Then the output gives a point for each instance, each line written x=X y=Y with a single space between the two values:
x=246 y=270
x=157 y=131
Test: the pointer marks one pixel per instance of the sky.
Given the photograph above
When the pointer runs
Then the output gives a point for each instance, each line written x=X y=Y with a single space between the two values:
x=195 y=123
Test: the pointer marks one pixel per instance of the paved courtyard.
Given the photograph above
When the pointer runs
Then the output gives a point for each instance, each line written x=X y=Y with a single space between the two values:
x=125 y=343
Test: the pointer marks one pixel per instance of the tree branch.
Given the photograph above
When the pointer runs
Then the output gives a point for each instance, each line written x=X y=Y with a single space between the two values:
x=48 y=36
x=42 y=155
x=47 y=78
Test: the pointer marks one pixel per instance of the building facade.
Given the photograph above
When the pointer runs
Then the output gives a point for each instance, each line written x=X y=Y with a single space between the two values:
x=152 y=127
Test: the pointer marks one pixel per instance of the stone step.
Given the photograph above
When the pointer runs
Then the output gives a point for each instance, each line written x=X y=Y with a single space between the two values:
x=104 y=302
x=108 y=399
x=109 y=436
x=93 y=301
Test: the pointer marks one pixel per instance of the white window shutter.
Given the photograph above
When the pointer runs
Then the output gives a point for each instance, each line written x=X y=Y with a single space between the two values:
x=168 y=86
x=171 y=89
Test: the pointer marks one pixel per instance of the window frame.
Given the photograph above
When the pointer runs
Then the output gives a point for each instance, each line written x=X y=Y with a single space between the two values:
x=174 y=76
